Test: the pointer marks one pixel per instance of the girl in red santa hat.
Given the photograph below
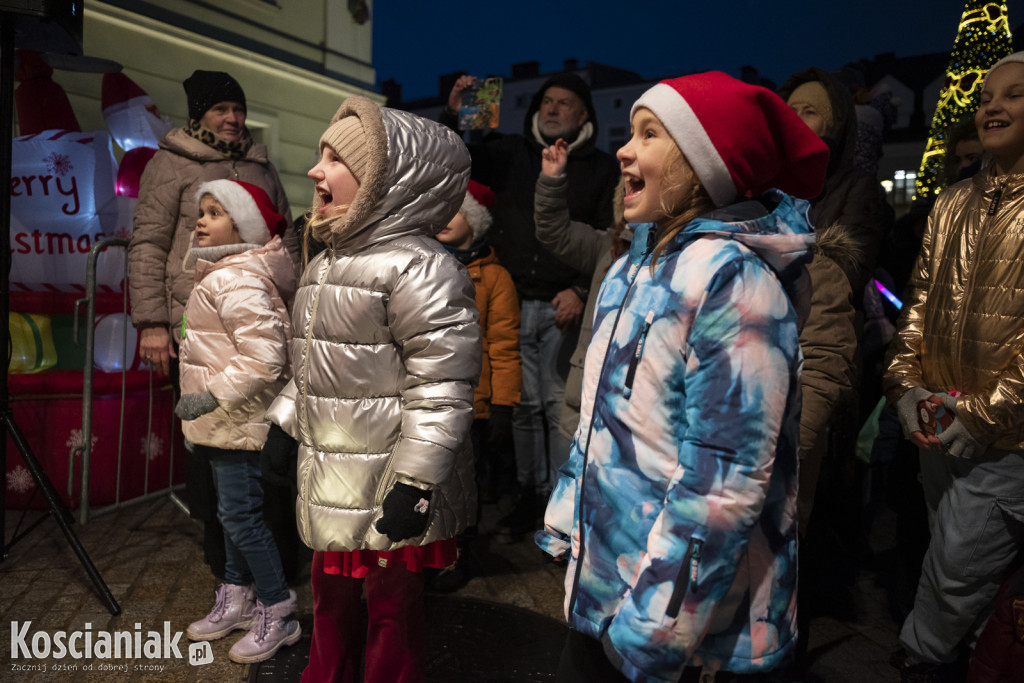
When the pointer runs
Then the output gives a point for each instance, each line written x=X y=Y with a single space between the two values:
x=234 y=361
x=677 y=507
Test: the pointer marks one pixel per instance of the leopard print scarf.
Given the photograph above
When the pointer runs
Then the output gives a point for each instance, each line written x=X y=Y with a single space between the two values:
x=232 y=150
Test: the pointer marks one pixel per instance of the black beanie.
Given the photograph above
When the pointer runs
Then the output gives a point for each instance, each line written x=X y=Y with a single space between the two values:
x=206 y=88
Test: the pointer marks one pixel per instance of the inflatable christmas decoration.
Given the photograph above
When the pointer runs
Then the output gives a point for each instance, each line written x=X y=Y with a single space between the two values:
x=67 y=193
x=132 y=118
x=41 y=103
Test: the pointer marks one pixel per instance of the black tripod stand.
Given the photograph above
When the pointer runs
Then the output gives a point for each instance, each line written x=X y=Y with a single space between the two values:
x=58 y=510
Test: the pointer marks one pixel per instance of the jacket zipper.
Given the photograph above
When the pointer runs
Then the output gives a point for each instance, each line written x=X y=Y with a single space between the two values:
x=691 y=565
x=634 y=270
x=635 y=361
x=993 y=208
x=994 y=204
x=303 y=414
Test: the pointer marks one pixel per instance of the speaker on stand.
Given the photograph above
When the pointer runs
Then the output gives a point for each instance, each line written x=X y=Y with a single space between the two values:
x=45 y=26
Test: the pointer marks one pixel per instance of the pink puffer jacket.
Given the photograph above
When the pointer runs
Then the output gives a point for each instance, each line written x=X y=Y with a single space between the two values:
x=234 y=344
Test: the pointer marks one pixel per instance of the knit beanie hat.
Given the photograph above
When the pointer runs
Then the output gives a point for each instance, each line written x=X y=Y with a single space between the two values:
x=250 y=209
x=356 y=133
x=206 y=88
x=348 y=140
x=814 y=94
x=739 y=139
x=476 y=208
x=1008 y=59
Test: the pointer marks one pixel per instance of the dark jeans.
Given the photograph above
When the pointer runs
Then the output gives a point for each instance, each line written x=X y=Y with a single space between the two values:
x=251 y=554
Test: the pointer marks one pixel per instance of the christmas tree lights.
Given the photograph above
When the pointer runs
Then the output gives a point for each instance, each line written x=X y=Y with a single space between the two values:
x=982 y=39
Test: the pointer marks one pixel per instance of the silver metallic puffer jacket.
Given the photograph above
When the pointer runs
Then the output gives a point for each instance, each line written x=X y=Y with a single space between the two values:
x=386 y=348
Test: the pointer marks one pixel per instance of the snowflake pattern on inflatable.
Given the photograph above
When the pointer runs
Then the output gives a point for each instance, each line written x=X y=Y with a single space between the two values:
x=76 y=439
x=152 y=446
x=20 y=480
x=59 y=164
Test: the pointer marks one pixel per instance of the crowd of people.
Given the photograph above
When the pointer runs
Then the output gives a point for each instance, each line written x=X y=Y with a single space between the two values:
x=658 y=362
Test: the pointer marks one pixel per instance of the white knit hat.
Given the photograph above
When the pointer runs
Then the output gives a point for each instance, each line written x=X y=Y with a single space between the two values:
x=1015 y=57
x=249 y=206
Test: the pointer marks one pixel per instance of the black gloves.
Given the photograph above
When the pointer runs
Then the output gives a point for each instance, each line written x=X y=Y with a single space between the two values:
x=405 y=512
x=191 y=406
x=499 y=429
x=278 y=456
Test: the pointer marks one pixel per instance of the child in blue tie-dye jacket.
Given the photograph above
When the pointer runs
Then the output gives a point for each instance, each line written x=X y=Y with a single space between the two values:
x=677 y=508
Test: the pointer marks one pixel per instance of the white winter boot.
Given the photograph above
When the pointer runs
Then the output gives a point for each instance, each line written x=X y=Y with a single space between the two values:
x=274 y=627
x=235 y=608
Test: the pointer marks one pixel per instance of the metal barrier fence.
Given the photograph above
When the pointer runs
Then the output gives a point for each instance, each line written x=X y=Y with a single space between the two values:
x=83 y=452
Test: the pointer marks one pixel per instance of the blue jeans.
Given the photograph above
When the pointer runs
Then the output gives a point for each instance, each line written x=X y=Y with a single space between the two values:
x=540 y=447
x=252 y=555
x=976 y=512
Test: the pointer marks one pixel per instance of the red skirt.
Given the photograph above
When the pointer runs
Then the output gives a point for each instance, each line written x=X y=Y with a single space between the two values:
x=356 y=563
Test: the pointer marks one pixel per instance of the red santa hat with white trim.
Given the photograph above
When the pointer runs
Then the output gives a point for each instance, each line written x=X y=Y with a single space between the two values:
x=739 y=139
x=476 y=208
x=250 y=209
x=120 y=92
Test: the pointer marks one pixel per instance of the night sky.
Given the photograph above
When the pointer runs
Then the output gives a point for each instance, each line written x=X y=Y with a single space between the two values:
x=414 y=41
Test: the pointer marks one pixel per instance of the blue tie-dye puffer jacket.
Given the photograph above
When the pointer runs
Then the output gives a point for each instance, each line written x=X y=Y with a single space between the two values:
x=677 y=507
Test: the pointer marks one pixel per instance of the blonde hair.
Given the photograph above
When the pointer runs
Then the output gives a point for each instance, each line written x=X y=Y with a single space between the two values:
x=317 y=218
x=682 y=199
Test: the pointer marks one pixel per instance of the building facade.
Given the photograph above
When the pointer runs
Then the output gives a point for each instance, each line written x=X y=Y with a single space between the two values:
x=296 y=62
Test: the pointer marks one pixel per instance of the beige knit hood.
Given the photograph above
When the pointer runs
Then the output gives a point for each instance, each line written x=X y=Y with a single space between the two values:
x=412 y=175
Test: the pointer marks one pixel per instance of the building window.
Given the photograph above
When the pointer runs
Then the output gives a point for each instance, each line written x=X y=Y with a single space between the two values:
x=900 y=189
x=616 y=138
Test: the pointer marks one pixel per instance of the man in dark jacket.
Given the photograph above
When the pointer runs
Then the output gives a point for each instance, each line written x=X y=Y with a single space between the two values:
x=551 y=295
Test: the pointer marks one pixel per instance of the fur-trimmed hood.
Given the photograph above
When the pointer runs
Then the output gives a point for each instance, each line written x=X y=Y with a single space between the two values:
x=838 y=243
x=415 y=179
x=842 y=138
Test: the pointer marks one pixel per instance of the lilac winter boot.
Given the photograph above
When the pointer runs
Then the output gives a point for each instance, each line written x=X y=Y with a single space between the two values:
x=275 y=626
x=235 y=608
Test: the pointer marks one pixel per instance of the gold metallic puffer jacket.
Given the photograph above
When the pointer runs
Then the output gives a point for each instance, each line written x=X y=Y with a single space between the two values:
x=386 y=346
x=963 y=324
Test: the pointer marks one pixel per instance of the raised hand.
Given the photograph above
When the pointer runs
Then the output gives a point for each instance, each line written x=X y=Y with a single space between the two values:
x=554 y=158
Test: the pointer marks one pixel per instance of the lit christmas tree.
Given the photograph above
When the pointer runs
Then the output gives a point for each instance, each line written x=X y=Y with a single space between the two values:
x=982 y=39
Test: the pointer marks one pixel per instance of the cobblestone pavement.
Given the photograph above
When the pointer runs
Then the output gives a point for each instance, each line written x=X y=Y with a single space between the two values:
x=150 y=557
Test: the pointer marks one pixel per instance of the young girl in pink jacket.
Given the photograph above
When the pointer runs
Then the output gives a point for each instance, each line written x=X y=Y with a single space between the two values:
x=234 y=361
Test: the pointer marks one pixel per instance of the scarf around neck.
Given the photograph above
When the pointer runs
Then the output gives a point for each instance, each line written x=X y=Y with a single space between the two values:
x=233 y=150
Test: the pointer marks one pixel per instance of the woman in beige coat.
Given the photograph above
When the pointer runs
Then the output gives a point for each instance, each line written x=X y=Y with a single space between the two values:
x=214 y=144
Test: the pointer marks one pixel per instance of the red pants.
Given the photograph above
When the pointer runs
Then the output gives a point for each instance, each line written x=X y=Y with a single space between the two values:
x=395 y=638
